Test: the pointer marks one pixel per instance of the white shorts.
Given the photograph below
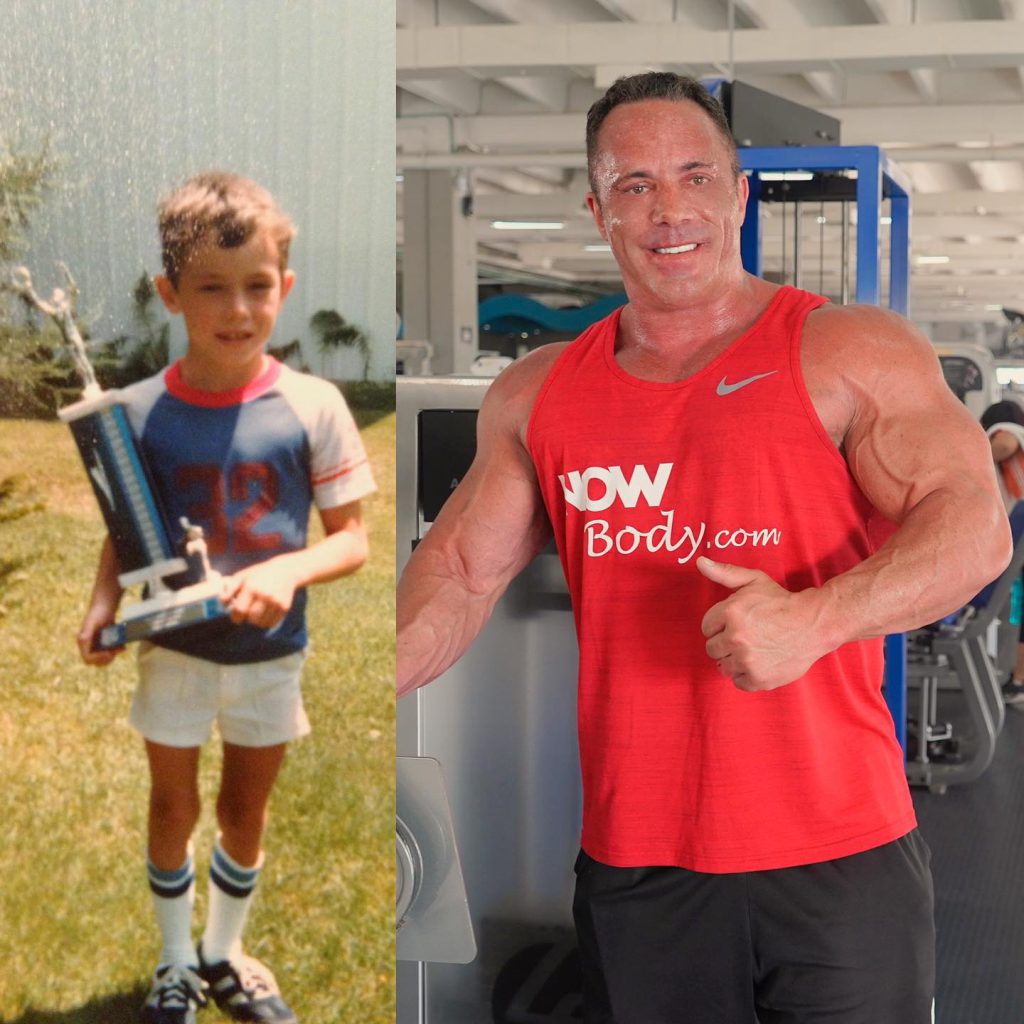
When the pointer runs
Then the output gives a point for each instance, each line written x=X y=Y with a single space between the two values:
x=255 y=705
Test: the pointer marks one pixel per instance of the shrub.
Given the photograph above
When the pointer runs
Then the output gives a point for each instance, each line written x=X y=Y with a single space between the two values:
x=35 y=377
x=131 y=357
x=334 y=332
x=25 y=179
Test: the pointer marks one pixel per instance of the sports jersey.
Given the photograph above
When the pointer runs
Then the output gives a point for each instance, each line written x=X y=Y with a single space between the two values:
x=245 y=465
x=639 y=478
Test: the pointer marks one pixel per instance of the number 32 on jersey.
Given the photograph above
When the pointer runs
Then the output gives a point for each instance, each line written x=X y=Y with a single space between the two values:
x=230 y=506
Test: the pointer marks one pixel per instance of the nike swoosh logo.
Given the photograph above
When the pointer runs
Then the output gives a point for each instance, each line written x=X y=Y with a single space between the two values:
x=728 y=389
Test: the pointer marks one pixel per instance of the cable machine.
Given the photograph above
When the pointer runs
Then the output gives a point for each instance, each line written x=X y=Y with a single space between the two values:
x=845 y=189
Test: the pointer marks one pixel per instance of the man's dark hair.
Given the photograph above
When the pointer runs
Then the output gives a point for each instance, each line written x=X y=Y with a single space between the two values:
x=656 y=85
x=1002 y=412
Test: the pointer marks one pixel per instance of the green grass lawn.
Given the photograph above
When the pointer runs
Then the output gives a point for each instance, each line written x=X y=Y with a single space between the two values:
x=77 y=938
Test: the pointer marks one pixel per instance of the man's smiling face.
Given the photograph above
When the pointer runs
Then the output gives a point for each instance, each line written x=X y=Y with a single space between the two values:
x=668 y=202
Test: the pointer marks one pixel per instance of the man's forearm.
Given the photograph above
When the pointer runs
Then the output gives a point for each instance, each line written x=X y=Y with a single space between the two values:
x=489 y=529
x=945 y=551
x=438 y=618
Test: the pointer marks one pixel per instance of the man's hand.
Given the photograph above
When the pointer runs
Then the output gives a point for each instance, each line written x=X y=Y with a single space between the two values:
x=761 y=636
x=96 y=618
x=260 y=595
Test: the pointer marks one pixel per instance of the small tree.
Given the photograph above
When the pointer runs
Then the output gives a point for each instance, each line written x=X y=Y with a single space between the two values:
x=131 y=357
x=33 y=371
x=334 y=332
x=35 y=375
x=287 y=352
x=25 y=179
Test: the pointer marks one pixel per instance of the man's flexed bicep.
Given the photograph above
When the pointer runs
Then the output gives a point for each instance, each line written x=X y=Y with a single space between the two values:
x=923 y=462
x=487 y=532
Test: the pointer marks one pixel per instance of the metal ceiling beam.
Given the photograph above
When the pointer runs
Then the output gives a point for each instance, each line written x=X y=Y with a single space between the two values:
x=968 y=201
x=432 y=161
x=1013 y=10
x=914 y=124
x=927 y=82
x=949 y=122
x=437 y=161
x=546 y=91
x=523 y=11
x=456 y=92
x=491 y=48
x=894 y=12
x=784 y=14
x=890 y=12
x=513 y=207
x=700 y=13
x=958 y=227
x=516 y=183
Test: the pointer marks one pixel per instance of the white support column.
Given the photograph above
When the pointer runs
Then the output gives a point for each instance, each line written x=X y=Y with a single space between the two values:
x=439 y=287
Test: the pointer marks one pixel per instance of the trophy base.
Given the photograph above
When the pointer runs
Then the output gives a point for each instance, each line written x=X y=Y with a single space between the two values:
x=168 y=611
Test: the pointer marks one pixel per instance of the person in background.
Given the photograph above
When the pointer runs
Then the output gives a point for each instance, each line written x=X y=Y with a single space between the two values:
x=1004 y=424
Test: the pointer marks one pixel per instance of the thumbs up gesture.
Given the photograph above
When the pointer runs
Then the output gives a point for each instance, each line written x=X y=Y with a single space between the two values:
x=761 y=636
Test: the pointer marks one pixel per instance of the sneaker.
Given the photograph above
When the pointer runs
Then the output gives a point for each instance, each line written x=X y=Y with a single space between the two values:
x=245 y=990
x=174 y=997
x=1013 y=692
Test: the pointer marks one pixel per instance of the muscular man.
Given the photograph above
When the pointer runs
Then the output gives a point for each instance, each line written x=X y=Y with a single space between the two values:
x=748 y=488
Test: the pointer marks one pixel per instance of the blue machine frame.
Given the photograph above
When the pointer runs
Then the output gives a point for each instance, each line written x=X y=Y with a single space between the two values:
x=877 y=179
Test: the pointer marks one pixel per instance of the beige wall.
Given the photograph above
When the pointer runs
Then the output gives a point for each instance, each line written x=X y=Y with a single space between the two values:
x=135 y=95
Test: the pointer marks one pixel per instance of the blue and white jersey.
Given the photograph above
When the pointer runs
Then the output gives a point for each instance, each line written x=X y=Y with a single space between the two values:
x=246 y=465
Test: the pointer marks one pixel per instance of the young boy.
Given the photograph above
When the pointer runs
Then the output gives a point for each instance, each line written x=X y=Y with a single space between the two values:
x=241 y=445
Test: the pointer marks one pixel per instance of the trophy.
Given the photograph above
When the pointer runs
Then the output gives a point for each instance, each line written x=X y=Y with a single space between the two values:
x=180 y=587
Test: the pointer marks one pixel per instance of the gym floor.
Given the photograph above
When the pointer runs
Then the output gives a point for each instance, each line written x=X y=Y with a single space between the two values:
x=976 y=833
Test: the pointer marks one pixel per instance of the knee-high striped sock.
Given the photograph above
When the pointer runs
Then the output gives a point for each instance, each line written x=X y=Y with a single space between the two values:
x=173 y=895
x=231 y=890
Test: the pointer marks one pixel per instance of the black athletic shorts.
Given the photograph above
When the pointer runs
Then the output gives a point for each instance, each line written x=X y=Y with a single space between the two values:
x=847 y=941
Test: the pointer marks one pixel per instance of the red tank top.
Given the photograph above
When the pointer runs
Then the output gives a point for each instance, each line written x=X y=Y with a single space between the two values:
x=680 y=767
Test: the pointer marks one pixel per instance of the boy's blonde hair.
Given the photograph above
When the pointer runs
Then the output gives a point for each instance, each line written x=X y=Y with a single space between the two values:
x=222 y=208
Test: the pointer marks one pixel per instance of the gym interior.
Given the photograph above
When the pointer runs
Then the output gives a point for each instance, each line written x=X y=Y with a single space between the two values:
x=884 y=145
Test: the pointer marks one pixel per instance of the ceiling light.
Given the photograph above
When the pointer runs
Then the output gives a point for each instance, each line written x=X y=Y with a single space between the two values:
x=786 y=176
x=528 y=225
x=597 y=247
x=931 y=259
x=885 y=220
